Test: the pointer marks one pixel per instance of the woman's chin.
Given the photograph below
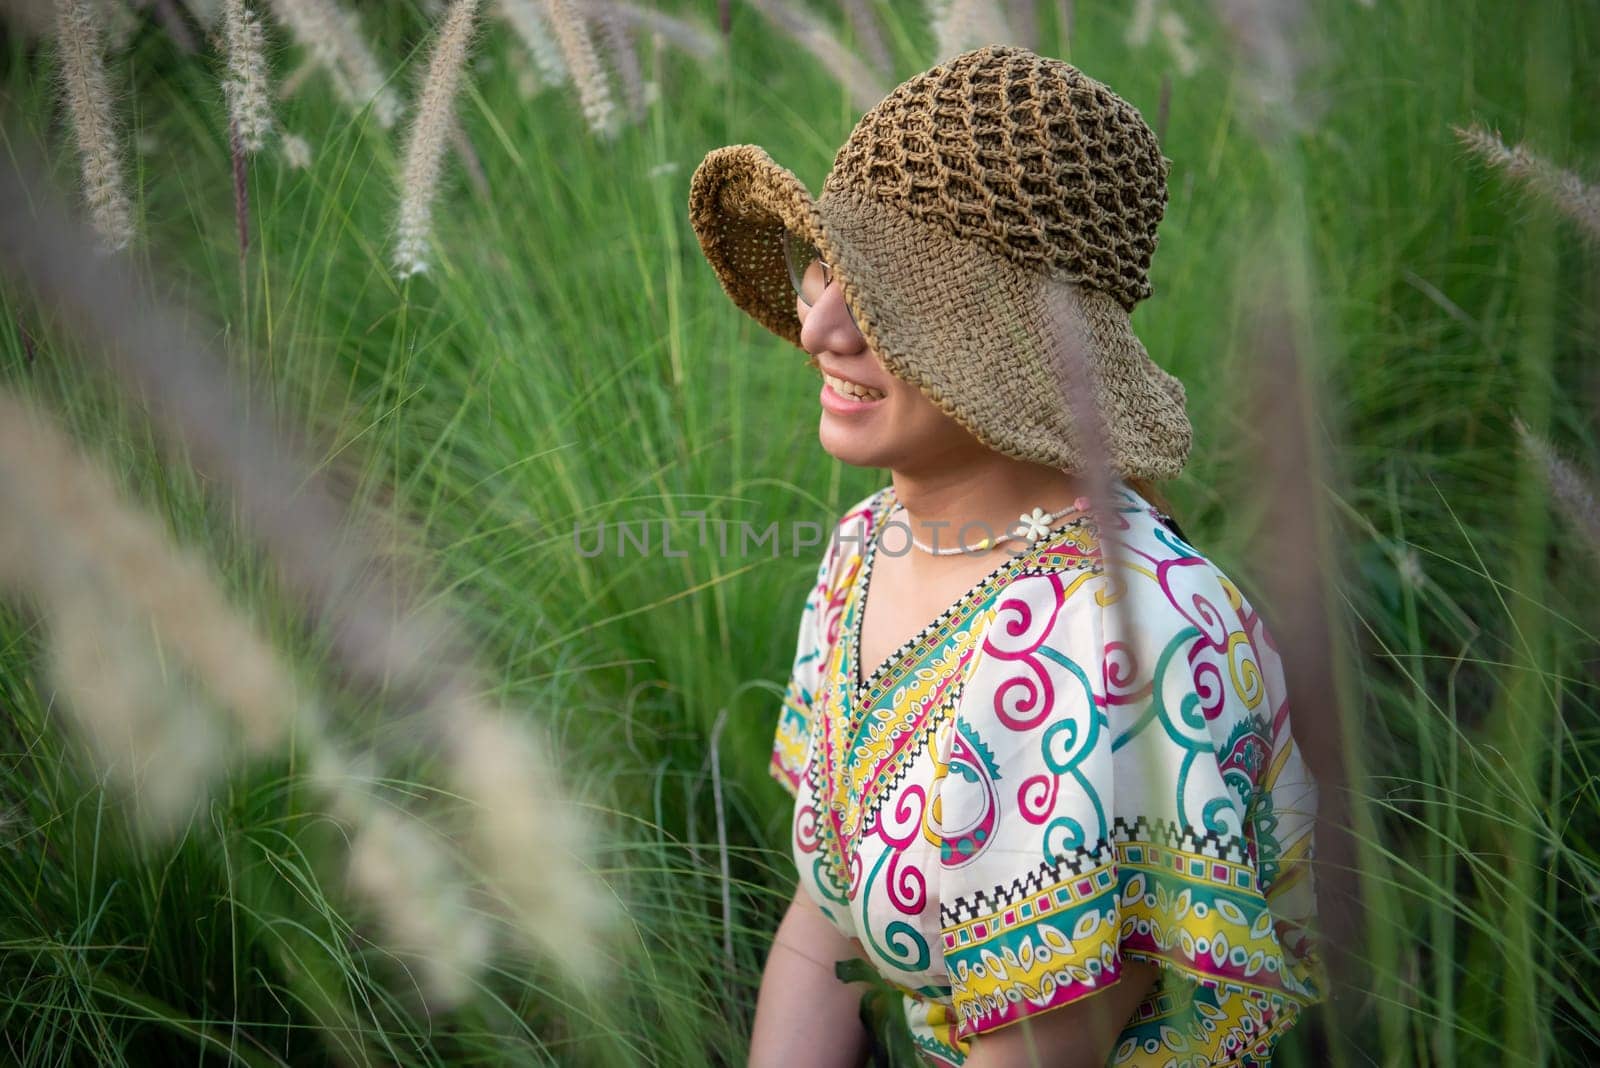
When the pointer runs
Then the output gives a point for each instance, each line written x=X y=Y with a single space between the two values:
x=849 y=445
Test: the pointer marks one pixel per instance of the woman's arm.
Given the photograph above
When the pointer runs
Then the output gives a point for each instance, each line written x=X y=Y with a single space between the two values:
x=802 y=1004
x=1080 y=1035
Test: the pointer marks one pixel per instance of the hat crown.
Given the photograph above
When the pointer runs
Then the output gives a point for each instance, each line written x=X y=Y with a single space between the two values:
x=1024 y=153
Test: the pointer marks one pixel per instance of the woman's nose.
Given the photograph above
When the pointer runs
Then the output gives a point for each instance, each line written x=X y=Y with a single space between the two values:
x=828 y=327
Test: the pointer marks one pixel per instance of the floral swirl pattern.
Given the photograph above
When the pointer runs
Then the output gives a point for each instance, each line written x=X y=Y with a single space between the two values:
x=1085 y=760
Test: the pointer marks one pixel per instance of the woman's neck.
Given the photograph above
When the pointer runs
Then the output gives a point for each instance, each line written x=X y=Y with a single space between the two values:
x=987 y=498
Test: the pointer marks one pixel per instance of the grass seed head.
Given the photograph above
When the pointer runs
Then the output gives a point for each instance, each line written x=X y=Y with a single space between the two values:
x=533 y=842
x=421 y=902
x=81 y=46
x=147 y=729
x=78 y=533
x=532 y=27
x=296 y=151
x=246 y=86
x=333 y=37
x=1565 y=190
x=430 y=135
x=1574 y=492
x=812 y=34
x=594 y=92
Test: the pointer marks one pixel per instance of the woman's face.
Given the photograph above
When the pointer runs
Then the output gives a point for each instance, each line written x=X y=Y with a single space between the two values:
x=897 y=426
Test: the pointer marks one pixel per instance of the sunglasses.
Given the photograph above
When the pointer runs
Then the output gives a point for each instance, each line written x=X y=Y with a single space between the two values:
x=809 y=273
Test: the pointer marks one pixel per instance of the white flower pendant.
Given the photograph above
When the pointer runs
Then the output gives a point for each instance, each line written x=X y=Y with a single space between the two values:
x=1035 y=524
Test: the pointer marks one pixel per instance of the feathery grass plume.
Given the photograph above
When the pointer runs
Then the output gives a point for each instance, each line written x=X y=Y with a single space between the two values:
x=420 y=895
x=697 y=41
x=1175 y=35
x=246 y=86
x=142 y=643
x=83 y=80
x=430 y=134
x=1148 y=17
x=297 y=78
x=379 y=629
x=532 y=843
x=594 y=94
x=812 y=34
x=1080 y=382
x=332 y=35
x=1574 y=492
x=1269 y=37
x=624 y=60
x=1023 y=17
x=652 y=87
x=1140 y=24
x=1075 y=315
x=962 y=24
x=1298 y=560
x=296 y=150
x=528 y=82
x=421 y=903
x=869 y=35
x=532 y=27
x=146 y=731
x=84 y=532
x=118 y=20
x=1569 y=193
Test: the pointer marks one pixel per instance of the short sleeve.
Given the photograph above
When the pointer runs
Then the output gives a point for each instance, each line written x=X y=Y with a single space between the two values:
x=1115 y=761
x=805 y=676
x=814 y=641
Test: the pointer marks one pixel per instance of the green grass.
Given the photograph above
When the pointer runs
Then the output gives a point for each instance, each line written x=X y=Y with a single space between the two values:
x=570 y=358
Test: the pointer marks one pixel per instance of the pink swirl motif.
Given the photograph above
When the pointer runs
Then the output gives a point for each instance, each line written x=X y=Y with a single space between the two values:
x=1209 y=653
x=805 y=829
x=1206 y=673
x=1036 y=797
x=1016 y=635
x=1211 y=623
x=1040 y=671
x=1121 y=668
x=960 y=846
x=907 y=886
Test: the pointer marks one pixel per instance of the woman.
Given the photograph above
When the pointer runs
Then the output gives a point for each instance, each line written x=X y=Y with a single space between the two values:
x=1039 y=745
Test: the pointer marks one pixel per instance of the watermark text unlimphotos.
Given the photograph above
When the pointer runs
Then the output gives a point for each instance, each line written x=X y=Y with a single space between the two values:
x=795 y=538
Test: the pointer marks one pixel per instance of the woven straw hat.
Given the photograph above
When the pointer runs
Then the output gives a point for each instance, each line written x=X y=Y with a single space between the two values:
x=962 y=205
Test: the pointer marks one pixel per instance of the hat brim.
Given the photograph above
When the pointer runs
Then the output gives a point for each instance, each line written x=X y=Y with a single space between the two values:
x=740 y=203
x=980 y=335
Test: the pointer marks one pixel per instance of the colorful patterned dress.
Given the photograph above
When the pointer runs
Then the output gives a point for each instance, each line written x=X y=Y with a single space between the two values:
x=1086 y=759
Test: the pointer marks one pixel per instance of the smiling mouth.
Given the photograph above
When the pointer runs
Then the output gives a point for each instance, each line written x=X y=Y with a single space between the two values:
x=851 y=390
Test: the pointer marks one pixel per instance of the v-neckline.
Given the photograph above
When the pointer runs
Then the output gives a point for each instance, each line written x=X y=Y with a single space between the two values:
x=861 y=686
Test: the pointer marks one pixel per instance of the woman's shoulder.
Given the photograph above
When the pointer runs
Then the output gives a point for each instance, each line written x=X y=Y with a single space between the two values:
x=1130 y=555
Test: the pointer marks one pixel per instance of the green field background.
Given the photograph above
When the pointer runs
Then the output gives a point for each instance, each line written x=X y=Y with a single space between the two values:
x=569 y=358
